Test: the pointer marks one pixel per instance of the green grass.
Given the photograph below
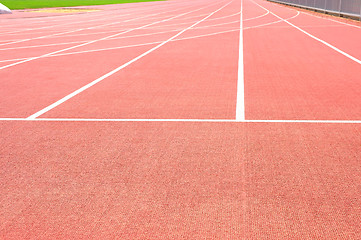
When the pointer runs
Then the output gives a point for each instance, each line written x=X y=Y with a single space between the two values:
x=24 y=4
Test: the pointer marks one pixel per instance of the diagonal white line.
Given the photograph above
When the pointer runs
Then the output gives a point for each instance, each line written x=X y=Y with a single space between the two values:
x=35 y=115
x=314 y=37
x=97 y=40
x=150 y=43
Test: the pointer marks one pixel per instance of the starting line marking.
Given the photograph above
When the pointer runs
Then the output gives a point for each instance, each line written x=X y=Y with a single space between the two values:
x=179 y=120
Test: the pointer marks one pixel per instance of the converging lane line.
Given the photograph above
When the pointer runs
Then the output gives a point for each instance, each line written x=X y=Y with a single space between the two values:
x=101 y=39
x=57 y=103
x=148 y=43
x=312 y=36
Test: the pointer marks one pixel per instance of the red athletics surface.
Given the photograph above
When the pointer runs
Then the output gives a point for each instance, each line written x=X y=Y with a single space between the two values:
x=100 y=176
x=350 y=42
x=305 y=80
x=183 y=80
x=180 y=180
x=41 y=82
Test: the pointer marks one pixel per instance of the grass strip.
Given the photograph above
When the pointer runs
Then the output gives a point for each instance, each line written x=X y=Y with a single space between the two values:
x=28 y=4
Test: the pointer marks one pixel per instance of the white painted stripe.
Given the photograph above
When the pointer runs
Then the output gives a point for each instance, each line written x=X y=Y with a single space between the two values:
x=240 y=108
x=103 y=32
x=148 y=43
x=57 y=103
x=181 y=120
x=316 y=38
x=324 y=16
x=304 y=121
x=328 y=17
x=97 y=40
x=271 y=23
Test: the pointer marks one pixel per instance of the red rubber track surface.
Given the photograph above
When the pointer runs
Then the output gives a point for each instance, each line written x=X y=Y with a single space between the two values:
x=156 y=149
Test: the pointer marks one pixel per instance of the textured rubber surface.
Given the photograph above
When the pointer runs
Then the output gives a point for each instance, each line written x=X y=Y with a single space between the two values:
x=68 y=176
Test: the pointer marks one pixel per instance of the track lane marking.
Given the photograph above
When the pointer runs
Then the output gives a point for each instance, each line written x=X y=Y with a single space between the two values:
x=314 y=37
x=324 y=16
x=74 y=35
x=82 y=34
x=101 y=39
x=57 y=103
x=179 y=120
x=240 y=105
x=332 y=20
x=149 y=43
x=19 y=32
x=82 y=29
x=70 y=17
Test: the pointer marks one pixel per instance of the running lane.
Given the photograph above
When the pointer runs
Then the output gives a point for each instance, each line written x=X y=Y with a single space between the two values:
x=37 y=82
x=195 y=78
x=289 y=75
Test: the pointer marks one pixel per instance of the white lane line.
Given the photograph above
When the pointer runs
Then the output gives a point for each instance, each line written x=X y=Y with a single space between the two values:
x=271 y=23
x=328 y=17
x=82 y=34
x=56 y=35
x=97 y=40
x=149 y=43
x=240 y=105
x=324 y=16
x=22 y=31
x=57 y=103
x=128 y=46
x=82 y=29
x=316 y=38
x=180 y=120
x=102 y=32
x=52 y=19
x=89 y=15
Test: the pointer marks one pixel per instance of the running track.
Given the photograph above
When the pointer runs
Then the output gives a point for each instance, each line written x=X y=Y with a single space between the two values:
x=176 y=120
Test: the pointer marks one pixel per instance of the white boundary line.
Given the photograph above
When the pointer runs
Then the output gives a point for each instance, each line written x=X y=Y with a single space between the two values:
x=314 y=37
x=240 y=108
x=181 y=120
x=57 y=103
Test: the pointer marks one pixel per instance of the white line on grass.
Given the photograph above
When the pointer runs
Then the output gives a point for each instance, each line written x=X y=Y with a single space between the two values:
x=35 y=115
x=240 y=107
